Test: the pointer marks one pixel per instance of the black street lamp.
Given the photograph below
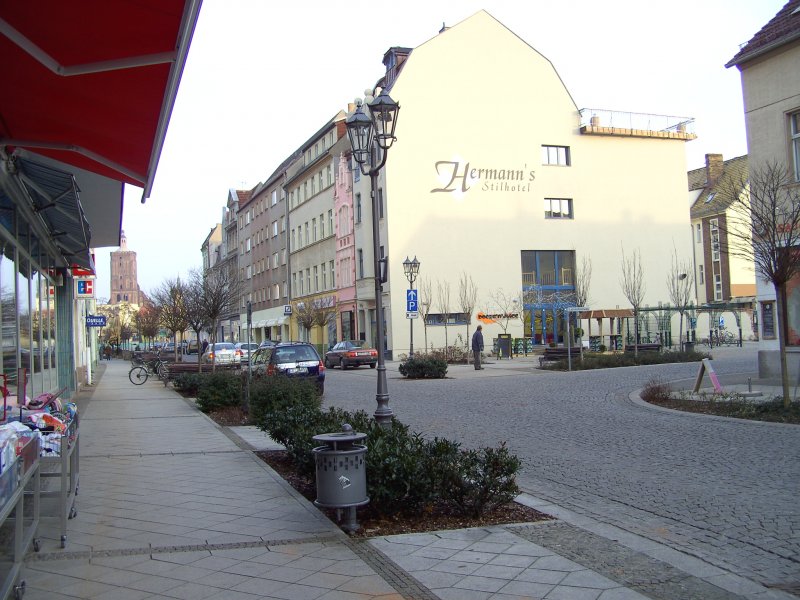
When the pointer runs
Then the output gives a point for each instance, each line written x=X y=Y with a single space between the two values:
x=371 y=137
x=411 y=269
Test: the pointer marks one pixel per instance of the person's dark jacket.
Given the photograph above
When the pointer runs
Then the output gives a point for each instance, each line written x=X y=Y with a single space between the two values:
x=477 y=341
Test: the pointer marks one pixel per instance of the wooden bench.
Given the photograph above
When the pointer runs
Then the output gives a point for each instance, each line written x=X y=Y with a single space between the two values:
x=556 y=354
x=175 y=369
x=644 y=348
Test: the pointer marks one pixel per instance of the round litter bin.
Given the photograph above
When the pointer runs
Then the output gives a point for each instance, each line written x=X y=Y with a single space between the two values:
x=341 y=472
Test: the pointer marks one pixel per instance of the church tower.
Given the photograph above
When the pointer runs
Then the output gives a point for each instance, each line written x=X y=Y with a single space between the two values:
x=124 y=280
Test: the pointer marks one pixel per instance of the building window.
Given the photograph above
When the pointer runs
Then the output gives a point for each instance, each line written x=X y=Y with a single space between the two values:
x=698 y=234
x=717 y=286
x=449 y=319
x=248 y=244
x=249 y=271
x=558 y=208
x=275 y=261
x=330 y=220
x=316 y=278
x=294 y=282
x=321 y=228
x=331 y=267
x=556 y=155
x=795 y=120
x=324 y=279
x=360 y=263
x=714 y=228
x=276 y=294
x=308 y=279
x=274 y=228
x=283 y=224
x=320 y=181
x=283 y=256
x=701 y=276
x=358 y=208
x=330 y=175
x=314 y=228
x=308 y=238
x=274 y=197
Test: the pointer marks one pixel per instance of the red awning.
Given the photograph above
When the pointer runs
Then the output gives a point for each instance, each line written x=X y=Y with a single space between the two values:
x=92 y=83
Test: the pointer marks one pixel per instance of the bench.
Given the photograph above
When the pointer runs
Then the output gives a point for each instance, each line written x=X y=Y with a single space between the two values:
x=175 y=369
x=644 y=348
x=556 y=354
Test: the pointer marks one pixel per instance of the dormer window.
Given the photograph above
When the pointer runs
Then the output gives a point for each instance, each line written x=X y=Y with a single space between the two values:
x=710 y=197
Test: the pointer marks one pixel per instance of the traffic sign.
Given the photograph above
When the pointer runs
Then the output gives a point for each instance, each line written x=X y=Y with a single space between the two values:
x=411 y=301
x=95 y=320
x=412 y=315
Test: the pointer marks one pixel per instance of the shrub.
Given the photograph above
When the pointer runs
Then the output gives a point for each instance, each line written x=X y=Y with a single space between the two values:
x=482 y=480
x=273 y=394
x=188 y=383
x=423 y=366
x=602 y=348
x=218 y=390
x=655 y=389
x=593 y=360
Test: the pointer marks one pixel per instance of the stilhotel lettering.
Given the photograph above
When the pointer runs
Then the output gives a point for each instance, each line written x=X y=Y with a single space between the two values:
x=491 y=180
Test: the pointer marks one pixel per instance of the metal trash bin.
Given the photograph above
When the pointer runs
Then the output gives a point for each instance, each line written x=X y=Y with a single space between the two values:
x=341 y=472
x=688 y=346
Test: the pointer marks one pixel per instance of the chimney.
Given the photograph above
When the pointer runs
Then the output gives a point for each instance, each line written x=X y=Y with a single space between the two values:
x=714 y=167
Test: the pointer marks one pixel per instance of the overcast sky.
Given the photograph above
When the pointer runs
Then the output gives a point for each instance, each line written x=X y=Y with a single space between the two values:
x=262 y=77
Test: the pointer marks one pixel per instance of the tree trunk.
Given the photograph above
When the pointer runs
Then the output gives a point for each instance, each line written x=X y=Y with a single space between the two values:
x=636 y=333
x=779 y=302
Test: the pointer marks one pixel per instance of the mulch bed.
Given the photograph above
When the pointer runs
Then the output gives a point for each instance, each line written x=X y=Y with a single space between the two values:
x=435 y=518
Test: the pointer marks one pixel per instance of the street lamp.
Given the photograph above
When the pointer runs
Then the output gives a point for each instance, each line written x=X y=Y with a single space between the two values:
x=370 y=138
x=411 y=269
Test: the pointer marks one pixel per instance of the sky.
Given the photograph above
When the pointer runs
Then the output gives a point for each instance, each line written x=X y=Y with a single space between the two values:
x=262 y=77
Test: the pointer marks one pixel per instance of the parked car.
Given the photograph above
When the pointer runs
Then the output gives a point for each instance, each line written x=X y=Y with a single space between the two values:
x=221 y=353
x=193 y=347
x=351 y=353
x=293 y=359
x=168 y=348
x=267 y=344
x=244 y=349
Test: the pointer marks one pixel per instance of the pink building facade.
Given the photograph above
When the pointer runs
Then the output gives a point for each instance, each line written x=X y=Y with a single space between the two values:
x=345 y=253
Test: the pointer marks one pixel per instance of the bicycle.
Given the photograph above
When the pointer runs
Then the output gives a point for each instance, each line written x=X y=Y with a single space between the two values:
x=143 y=369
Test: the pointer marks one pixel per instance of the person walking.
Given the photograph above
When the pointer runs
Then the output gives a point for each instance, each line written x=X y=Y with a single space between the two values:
x=477 y=347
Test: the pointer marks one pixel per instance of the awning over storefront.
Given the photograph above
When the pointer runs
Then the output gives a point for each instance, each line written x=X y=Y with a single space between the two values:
x=92 y=84
x=54 y=196
x=275 y=322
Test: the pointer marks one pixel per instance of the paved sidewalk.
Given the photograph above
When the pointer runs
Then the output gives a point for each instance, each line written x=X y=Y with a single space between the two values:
x=172 y=505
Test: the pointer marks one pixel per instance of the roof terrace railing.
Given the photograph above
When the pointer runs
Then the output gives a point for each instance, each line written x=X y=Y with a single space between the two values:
x=600 y=121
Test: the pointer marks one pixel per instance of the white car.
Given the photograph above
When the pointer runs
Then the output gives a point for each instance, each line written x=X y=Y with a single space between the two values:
x=221 y=353
x=244 y=349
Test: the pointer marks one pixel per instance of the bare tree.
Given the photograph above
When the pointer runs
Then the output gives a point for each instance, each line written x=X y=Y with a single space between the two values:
x=443 y=304
x=426 y=300
x=323 y=313
x=583 y=282
x=506 y=308
x=196 y=315
x=304 y=313
x=147 y=321
x=763 y=226
x=170 y=297
x=680 y=286
x=467 y=299
x=221 y=295
x=633 y=288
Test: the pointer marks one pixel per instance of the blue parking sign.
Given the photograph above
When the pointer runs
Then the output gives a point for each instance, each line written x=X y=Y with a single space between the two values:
x=411 y=301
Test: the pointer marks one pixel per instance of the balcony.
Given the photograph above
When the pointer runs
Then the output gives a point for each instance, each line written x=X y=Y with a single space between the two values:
x=598 y=121
x=548 y=278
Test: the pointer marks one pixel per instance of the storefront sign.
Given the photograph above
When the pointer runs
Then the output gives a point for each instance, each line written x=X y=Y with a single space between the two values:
x=84 y=288
x=95 y=320
x=460 y=177
x=493 y=318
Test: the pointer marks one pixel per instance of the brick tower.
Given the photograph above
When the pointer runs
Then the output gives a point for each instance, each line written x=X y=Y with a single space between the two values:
x=124 y=281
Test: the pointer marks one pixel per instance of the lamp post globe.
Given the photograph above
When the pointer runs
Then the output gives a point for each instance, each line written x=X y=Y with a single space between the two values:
x=371 y=137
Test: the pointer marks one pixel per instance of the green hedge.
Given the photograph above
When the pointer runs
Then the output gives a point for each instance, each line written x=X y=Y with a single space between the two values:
x=219 y=390
x=422 y=366
x=592 y=360
x=404 y=471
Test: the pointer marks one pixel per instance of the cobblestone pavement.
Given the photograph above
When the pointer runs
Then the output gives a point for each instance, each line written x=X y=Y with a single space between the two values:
x=721 y=490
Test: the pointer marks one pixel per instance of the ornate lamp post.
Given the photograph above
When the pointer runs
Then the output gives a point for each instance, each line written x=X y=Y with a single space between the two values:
x=411 y=269
x=371 y=137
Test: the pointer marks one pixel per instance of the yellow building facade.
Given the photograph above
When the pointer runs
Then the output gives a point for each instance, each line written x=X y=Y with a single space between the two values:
x=497 y=174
